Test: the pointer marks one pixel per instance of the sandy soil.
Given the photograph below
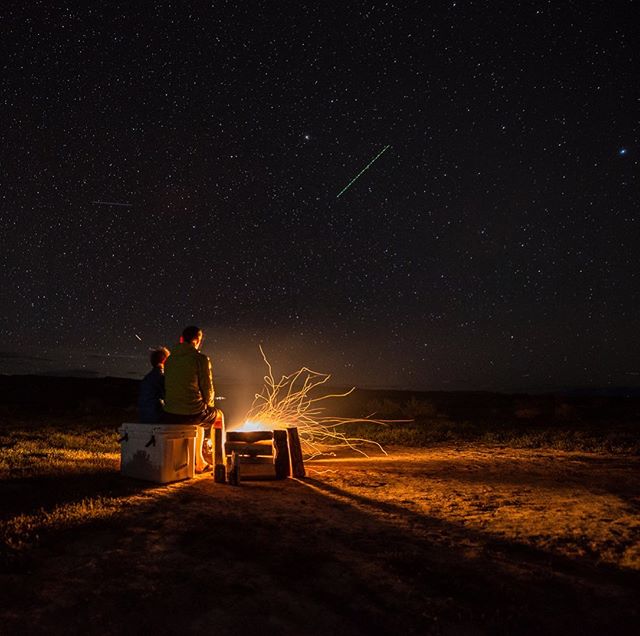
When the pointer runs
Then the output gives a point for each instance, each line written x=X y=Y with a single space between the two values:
x=452 y=540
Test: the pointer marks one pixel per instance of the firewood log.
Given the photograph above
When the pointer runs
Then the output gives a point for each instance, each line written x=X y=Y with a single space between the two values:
x=260 y=448
x=281 y=451
x=250 y=437
x=295 y=452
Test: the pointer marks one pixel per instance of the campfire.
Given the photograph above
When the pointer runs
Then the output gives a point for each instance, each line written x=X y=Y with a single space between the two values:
x=263 y=455
x=296 y=401
x=287 y=425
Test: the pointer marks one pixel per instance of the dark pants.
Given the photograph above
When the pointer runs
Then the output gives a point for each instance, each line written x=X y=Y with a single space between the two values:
x=204 y=419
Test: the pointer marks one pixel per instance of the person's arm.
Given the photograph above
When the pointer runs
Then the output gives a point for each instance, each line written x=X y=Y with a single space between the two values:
x=205 y=380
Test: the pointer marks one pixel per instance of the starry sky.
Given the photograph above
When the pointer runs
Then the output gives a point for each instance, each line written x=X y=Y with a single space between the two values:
x=492 y=246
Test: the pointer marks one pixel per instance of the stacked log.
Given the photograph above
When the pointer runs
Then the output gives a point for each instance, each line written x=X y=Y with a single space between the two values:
x=295 y=451
x=217 y=435
x=263 y=455
x=233 y=469
x=249 y=455
x=281 y=454
x=249 y=437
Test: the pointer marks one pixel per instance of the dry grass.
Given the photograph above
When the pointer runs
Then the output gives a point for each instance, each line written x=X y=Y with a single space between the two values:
x=30 y=448
x=41 y=454
x=22 y=531
x=599 y=437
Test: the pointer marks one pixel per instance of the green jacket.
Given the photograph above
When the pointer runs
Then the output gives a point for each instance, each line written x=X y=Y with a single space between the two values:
x=188 y=381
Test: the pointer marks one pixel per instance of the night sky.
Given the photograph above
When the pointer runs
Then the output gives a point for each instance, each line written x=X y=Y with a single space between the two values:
x=493 y=245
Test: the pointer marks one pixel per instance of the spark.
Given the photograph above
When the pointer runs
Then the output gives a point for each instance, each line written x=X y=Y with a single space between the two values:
x=138 y=337
x=288 y=402
x=122 y=205
x=328 y=471
x=362 y=171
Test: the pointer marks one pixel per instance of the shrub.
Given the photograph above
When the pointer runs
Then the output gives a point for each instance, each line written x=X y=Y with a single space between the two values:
x=419 y=409
x=527 y=413
x=384 y=408
x=565 y=412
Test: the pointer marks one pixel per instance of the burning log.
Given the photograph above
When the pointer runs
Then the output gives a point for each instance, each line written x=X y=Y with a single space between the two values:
x=281 y=454
x=217 y=437
x=249 y=437
x=253 y=450
x=251 y=456
x=233 y=470
x=256 y=468
x=295 y=452
x=263 y=455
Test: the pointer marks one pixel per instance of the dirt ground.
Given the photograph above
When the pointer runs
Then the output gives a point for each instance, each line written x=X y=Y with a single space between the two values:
x=449 y=540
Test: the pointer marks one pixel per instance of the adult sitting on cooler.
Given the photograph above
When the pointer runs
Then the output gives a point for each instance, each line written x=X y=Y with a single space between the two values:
x=189 y=393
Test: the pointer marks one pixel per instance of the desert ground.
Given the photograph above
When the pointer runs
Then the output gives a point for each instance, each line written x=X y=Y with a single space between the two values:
x=458 y=538
x=489 y=514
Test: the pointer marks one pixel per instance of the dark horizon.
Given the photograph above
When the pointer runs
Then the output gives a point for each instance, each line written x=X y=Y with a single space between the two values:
x=221 y=381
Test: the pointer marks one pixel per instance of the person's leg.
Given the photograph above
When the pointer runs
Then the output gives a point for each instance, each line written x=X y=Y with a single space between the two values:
x=201 y=462
x=206 y=420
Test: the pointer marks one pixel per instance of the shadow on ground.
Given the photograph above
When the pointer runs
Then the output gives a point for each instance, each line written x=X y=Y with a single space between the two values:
x=44 y=492
x=299 y=558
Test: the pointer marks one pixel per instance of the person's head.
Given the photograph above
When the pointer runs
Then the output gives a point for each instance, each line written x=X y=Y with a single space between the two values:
x=158 y=356
x=192 y=335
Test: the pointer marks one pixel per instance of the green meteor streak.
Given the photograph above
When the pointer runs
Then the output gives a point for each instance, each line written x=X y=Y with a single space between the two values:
x=361 y=171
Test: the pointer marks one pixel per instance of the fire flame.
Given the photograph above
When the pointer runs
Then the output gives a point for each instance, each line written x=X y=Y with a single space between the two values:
x=249 y=426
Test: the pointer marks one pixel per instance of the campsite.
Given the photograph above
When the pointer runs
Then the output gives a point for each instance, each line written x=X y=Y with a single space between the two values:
x=464 y=527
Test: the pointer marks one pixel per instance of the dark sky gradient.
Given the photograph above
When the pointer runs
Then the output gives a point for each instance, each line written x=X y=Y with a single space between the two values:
x=494 y=245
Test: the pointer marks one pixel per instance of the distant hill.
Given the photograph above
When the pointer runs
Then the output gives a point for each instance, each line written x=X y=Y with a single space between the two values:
x=612 y=391
x=78 y=396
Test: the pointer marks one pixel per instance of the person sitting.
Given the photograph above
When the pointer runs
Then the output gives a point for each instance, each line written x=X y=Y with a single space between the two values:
x=189 y=392
x=151 y=396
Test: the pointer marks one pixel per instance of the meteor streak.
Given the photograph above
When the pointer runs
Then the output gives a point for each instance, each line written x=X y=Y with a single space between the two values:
x=122 y=205
x=361 y=171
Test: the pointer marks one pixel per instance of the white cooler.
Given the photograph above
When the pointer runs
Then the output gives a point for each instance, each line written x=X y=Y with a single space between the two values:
x=158 y=452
